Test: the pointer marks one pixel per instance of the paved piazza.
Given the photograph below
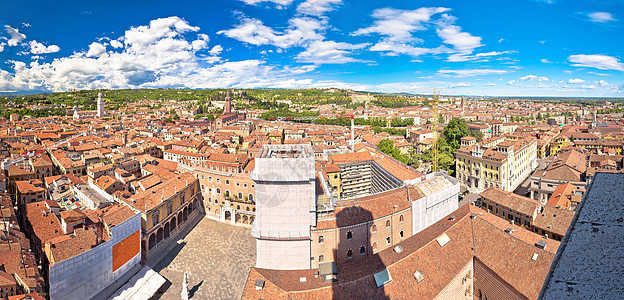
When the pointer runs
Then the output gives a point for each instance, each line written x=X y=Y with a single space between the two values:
x=217 y=258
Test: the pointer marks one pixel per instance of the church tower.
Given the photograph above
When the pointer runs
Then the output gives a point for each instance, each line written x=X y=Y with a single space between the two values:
x=228 y=104
x=100 y=106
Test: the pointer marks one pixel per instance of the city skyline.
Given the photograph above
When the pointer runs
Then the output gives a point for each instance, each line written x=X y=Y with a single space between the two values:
x=515 y=48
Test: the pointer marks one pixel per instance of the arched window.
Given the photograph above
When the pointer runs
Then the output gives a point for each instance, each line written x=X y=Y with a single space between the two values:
x=349 y=254
x=209 y=178
x=203 y=187
x=237 y=206
x=321 y=239
x=250 y=197
x=321 y=258
x=218 y=191
x=388 y=240
x=349 y=235
x=227 y=182
x=362 y=250
x=374 y=228
x=401 y=233
x=387 y=223
x=227 y=193
x=202 y=176
x=401 y=218
x=240 y=195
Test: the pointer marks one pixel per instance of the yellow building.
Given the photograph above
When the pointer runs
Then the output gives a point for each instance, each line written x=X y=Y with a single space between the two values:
x=165 y=208
x=502 y=162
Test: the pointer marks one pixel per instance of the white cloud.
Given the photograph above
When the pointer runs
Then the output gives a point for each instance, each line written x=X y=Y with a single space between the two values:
x=216 y=50
x=575 y=81
x=16 y=36
x=317 y=7
x=494 y=53
x=116 y=44
x=463 y=42
x=459 y=84
x=329 y=52
x=533 y=78
x=490 y=84
x=2 y=47
x=472 y=72
x=393 y=49
x=511 y=82
x=254 y=32
x=546 y=61
x=39 y=48
x=501 y=40
x=167 y=57
x=96 y=50
x=398 y=25
x=598 y=61
x=600 y=17
x=278 y=2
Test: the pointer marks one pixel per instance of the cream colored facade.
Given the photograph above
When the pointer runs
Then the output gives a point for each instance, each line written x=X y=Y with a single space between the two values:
x=503 y=163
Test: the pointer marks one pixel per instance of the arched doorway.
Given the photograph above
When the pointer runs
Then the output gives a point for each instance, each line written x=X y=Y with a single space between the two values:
x=251 y=220
x=228 y=216
x=159 y=235
x=185 y=214
x=245 y=219
x=180 y=220
x=173 y=224
x=237 y=218
x=152 y=241
x=144 y=245
x=167 y=231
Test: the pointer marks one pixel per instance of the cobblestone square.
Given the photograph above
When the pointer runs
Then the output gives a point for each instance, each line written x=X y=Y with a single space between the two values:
x=217 y=258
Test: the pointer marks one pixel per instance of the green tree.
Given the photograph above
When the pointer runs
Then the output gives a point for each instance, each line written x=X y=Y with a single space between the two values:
x=387 y=146
x=455 y=130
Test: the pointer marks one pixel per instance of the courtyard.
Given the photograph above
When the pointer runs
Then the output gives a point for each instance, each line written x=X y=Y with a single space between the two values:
x=217 y=258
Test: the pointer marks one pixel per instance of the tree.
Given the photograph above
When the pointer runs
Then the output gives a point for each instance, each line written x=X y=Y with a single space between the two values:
x=455 y=130
x=387 y=146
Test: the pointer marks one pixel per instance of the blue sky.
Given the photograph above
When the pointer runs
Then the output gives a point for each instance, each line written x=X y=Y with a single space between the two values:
x=504 y=47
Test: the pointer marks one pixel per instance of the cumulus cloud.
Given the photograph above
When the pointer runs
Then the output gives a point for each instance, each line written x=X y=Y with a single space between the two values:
x=397 y=25
x=575 y=81
x=96 y=49
x=545 y=61
x=116 y=44
x=600 y=17
x=472 y=72
x=216 y=50
x=598 y=61
x=533 y=78
x=463 y=42
x=317 y=7
x=278 y=2
x=253 y=31
x=398 y=29
x=39 y=48
x=329 y=52
x=16 y=36
x=167 y=56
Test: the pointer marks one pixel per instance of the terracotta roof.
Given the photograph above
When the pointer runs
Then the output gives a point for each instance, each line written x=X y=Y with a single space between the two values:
x=472 y=238
x=510 y=200
x=556 y=220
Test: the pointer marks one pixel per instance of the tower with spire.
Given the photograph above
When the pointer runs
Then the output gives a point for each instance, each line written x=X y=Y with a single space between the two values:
x=228 y=103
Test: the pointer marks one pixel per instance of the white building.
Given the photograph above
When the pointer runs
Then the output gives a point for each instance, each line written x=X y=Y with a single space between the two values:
x=285 y=206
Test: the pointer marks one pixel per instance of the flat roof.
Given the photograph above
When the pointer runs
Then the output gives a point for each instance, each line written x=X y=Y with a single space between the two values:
x=589 y=263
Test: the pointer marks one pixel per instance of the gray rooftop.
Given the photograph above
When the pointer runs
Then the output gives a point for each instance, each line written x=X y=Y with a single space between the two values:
x=589 y=263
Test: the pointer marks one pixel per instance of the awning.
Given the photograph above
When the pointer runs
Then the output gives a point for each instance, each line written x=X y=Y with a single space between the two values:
x=143 y=285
